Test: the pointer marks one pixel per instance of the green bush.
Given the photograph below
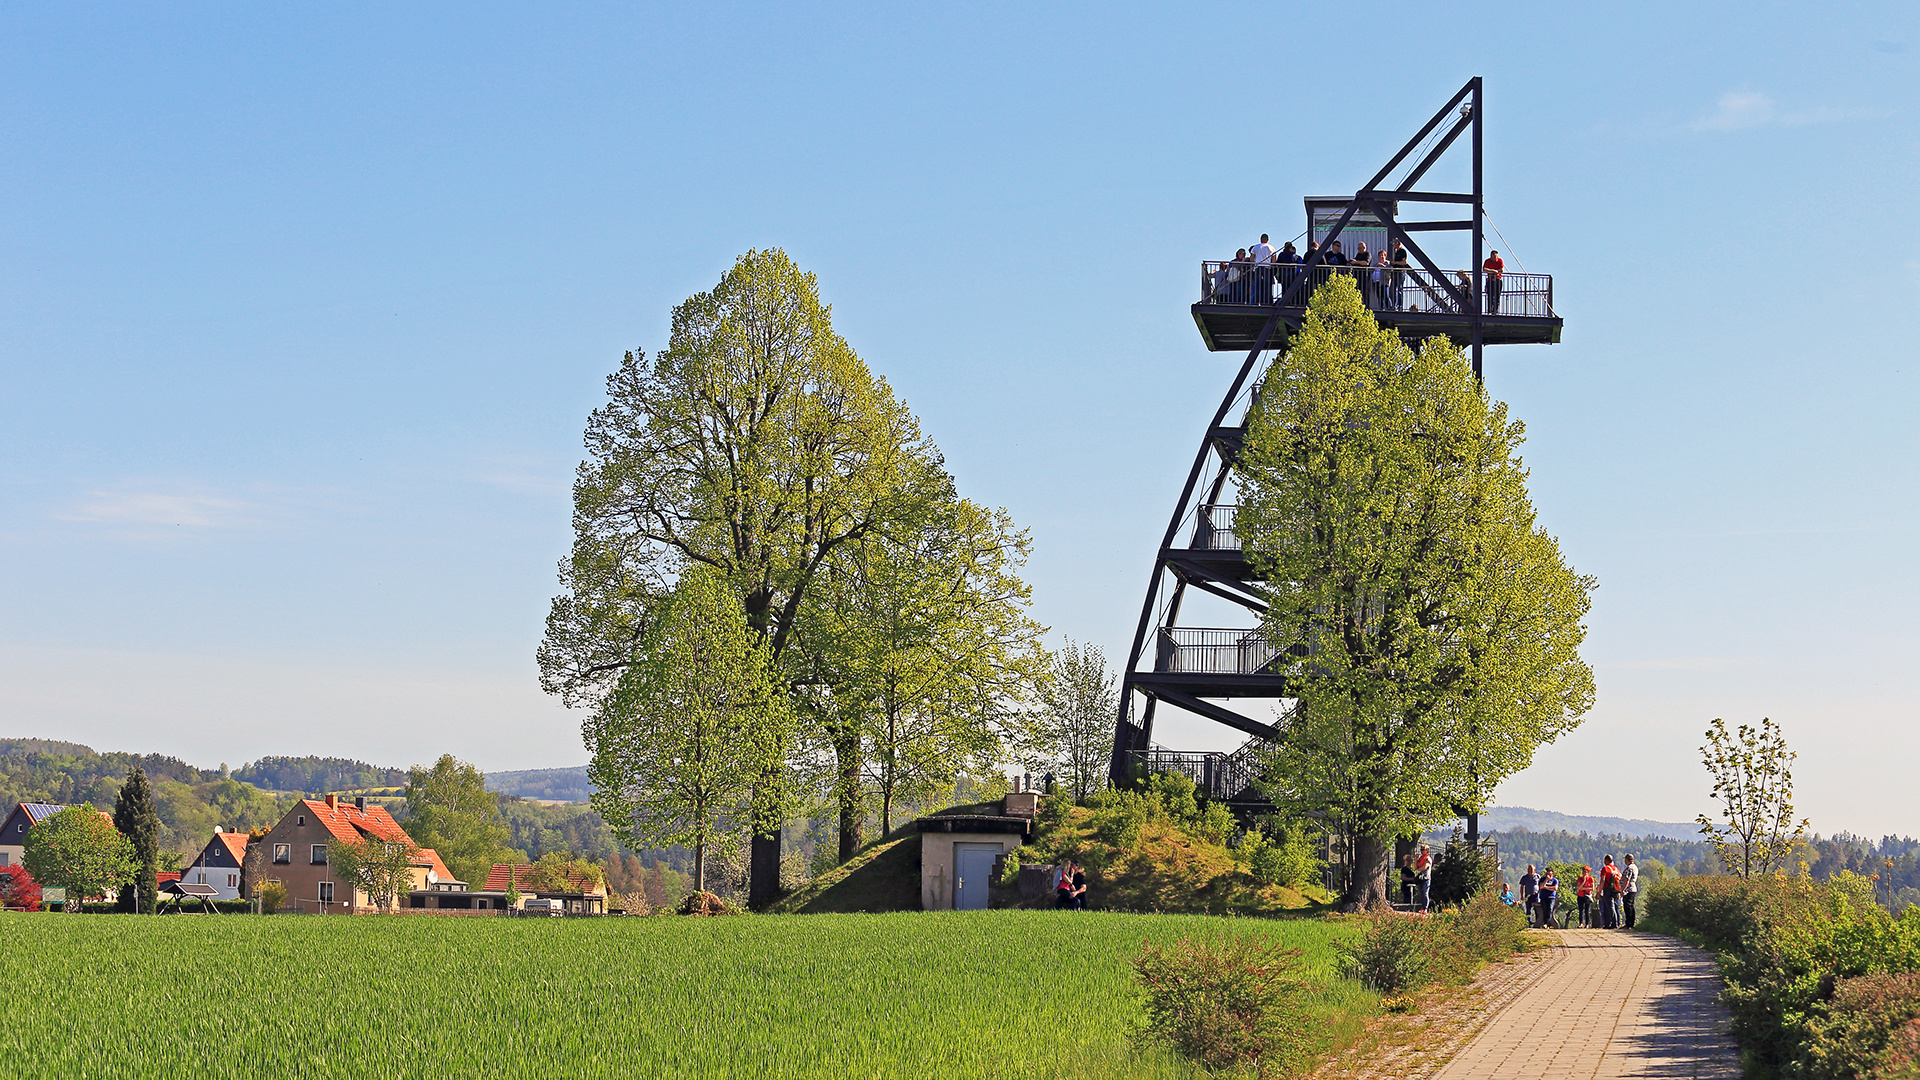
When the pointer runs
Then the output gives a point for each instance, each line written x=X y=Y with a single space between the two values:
x=1225 y=1004
x=1392 y=956
x=1788 y=946
x=1463 y=872
x=1858 y=1026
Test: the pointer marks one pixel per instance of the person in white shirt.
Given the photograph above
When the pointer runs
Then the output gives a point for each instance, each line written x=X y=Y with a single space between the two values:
x=1262 y=256
x=1262 y=252
x=1630 y=887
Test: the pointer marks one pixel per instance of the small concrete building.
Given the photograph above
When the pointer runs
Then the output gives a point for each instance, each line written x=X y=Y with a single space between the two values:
x=960 y=854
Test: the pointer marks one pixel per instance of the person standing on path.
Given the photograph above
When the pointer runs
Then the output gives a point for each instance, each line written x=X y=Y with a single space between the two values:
x=1530 y=890
x=1549 y=892
x=1423 y=869
x=1609 y=895
x=1583 y=892
x=1630 y=876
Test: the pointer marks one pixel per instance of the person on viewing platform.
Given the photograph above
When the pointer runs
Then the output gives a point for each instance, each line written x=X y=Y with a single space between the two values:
x=1629 y=886
x=1398 y=296
x=1423 y=868
x=1262 y=284
x=1361 y=259
x=1583 y=892
x=1494 y=269
x=1284 y=260
x=1382 y=279
x=1334 y=257
x=1465 y=281
x=1609 y=894
x=1529 y=891
x=1548 y=893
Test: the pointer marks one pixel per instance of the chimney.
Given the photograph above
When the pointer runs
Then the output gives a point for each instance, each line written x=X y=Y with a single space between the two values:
x=359 y=802
x=333 y=802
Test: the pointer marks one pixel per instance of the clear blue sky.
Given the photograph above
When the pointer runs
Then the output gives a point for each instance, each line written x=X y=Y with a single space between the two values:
x=303 y=311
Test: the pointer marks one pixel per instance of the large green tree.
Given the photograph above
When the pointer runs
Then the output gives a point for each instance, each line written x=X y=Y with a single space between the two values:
x=1429 y=626
x=925 y=649
x=1753 y=783
x=138 y=820
x=683 y=745
x=381 y=868
x=1072 y=732
x=79 y=850
x=450 y=810
x=756 y=444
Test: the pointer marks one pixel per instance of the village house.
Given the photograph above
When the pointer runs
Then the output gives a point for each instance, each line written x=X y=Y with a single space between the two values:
x=583 y=895
x=219 y=863
x=13 y=832
x=297 y=853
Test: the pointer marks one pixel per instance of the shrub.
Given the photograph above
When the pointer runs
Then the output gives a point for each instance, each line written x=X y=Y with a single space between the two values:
x=1486 y=928
x=1287 y=860
x=1392 y=956
x=1721 y=911
x=18 y=890
x=1463 y=872
x=704 y=903
x=273 y=895
x=1224 y=1003
x=1859 y=1025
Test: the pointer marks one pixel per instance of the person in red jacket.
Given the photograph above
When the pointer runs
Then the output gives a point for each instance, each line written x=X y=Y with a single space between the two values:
x=1583 y=889
x=1609 y=895
x=1491 y=271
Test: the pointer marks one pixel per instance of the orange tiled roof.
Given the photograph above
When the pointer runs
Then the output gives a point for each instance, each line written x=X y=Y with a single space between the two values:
x=165 y=876
x=348 y=822
x=430 y=859
x=236 y=844
x=497 y=879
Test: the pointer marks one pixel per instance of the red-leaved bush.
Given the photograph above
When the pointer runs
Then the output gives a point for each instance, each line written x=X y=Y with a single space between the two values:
x=18 y=890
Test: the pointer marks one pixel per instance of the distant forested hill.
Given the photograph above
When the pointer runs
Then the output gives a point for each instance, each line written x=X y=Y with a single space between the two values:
x=318 y=775
x=562 y=785
x=1509 y=818
x=190 y=800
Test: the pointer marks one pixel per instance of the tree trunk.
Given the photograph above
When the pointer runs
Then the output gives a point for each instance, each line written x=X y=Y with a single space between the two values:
x=763 y=872
x=1473 y=832
x=1372 y=858
x=699 y=867
x=846 y=750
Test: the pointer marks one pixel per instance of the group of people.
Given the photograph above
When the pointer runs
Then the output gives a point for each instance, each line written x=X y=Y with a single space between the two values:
x=1616 y=889
x=1253 y=274
x=1416 y=879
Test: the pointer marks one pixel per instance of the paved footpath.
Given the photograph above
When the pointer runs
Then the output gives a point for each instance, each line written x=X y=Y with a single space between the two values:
x=1608 y=1004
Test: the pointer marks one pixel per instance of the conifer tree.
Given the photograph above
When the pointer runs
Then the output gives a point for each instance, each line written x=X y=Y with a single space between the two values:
x=137 y=819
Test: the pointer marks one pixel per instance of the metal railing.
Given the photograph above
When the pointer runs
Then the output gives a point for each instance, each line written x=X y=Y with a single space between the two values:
x=1214 y=652
x=1222 y=777
x=1383 y=288
x=1213 y=528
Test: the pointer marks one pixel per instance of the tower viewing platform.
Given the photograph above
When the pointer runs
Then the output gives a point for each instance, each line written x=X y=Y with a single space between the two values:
x=1238 y=297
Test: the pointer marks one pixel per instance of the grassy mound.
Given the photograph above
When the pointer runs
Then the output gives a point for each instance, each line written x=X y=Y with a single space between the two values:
x=883 y=876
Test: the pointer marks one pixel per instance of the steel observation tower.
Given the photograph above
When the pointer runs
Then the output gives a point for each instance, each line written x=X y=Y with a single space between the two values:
x=1203 y=669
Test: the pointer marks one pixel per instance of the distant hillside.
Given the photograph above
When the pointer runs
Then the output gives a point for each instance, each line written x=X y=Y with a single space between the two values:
x=190 y=800
x=318 y=775
x=560 y=785
x=1512 y=818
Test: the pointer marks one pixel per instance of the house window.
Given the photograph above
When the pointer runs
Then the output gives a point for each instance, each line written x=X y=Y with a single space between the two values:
x=319 y=854
x=283 y=853
x=22 y=827
x=301 y=820
x=326 y=892
x=233 y=881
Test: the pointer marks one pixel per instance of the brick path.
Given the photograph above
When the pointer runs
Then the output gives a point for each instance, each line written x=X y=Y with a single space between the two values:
x=1608 y=1004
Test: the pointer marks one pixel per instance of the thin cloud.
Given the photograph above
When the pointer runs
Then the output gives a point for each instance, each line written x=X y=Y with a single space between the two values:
x=198 y=511
x=1740 y=110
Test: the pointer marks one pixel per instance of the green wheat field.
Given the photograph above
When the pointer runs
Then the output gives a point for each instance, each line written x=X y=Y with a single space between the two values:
x=956 y=994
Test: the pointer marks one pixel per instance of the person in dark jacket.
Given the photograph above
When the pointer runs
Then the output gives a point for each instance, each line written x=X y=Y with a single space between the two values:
x=1549 y=892
x=1529 y=890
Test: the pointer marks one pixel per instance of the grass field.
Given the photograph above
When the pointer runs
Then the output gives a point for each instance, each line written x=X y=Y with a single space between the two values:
x=954 y=994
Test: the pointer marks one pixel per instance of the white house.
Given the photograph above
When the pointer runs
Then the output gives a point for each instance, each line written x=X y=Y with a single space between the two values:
x=219 y=864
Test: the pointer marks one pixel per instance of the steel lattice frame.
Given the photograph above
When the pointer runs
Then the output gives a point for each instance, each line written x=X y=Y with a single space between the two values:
x=1205 y=563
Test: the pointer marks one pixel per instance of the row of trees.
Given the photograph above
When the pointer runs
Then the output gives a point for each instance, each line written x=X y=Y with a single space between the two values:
x=777 y=594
